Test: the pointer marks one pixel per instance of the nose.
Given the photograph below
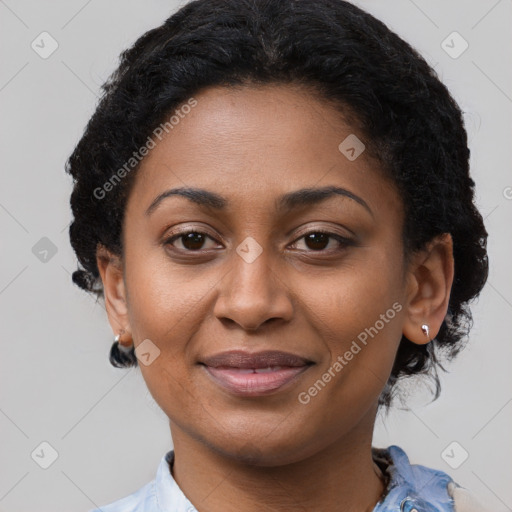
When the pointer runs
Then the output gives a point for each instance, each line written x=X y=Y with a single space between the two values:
x=253 y=294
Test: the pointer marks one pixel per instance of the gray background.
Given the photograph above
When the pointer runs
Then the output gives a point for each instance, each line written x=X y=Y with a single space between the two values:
x=56 y=384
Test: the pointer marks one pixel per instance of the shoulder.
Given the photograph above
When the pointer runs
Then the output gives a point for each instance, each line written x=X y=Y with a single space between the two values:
x=162 y=494
x=413 y=486
x=142 y=500
x=463 y=500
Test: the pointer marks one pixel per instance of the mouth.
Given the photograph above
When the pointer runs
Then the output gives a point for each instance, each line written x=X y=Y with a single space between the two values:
x=262 y=373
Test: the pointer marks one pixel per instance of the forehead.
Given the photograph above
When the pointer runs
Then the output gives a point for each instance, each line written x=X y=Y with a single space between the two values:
x=252 y=144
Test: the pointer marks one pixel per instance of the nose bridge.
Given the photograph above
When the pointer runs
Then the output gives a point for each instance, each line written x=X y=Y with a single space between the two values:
x=251 y=292
x=252 y=266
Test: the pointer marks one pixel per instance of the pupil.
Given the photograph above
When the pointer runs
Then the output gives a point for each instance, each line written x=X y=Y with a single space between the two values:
x=193 y=241
x=317 y=238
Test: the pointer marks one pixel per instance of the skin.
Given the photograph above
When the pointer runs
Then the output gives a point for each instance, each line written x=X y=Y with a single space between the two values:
x=251 y=145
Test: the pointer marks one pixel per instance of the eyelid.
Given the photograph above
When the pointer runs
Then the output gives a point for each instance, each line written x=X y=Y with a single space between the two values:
x=183 y=230
x=302 y=232
x=327 y=230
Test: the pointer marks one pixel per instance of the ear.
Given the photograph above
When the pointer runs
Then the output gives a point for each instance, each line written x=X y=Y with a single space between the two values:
x=111 y=272
x=430 y=278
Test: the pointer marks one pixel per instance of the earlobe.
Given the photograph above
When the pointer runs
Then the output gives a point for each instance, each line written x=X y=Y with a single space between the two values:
x=111 y=271
x=430 y=281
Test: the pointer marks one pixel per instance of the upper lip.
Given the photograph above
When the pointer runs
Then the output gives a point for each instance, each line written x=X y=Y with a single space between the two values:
x=242 y=359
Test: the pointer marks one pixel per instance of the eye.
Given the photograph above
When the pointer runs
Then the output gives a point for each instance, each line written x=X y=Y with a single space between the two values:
x=318 y=240
x=191 y=240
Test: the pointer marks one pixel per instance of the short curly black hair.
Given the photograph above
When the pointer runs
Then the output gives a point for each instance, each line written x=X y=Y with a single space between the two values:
x=347 y=57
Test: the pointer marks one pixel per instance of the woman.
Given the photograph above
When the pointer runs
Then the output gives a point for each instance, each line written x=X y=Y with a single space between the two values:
x=274 y=201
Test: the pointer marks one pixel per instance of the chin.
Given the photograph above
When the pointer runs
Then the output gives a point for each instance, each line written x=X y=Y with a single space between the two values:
x=258 y=451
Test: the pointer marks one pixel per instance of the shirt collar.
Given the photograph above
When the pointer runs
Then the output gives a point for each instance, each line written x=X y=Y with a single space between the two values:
x=411 y=486
x=169 y=496
x=406 y=484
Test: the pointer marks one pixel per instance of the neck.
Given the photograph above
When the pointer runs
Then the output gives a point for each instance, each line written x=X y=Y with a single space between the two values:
x=341 y=476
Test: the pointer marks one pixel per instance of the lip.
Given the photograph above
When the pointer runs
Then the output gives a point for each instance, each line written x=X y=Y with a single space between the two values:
x=264 y=359
x=254 y=374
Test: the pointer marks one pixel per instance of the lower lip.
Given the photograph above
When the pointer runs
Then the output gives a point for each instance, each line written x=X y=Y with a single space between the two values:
x=253 y=384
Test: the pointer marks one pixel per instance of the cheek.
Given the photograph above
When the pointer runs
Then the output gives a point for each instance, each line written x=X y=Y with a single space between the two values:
x=166 y=306
x=165 y=300
x=347 y=301
x=357 y=314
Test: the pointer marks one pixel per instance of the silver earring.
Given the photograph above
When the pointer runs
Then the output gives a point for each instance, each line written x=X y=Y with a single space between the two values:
x=426 y=330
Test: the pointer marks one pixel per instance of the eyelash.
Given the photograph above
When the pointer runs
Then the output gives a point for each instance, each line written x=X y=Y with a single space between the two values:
x=344 y=242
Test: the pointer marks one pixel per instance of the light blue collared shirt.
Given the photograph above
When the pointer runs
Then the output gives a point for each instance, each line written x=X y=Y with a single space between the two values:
x=411 y=488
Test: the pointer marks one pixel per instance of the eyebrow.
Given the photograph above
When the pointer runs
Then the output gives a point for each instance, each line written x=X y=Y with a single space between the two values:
x=286 y=202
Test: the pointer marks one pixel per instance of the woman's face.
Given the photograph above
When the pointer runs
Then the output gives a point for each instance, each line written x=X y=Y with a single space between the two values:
x=258 y=276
